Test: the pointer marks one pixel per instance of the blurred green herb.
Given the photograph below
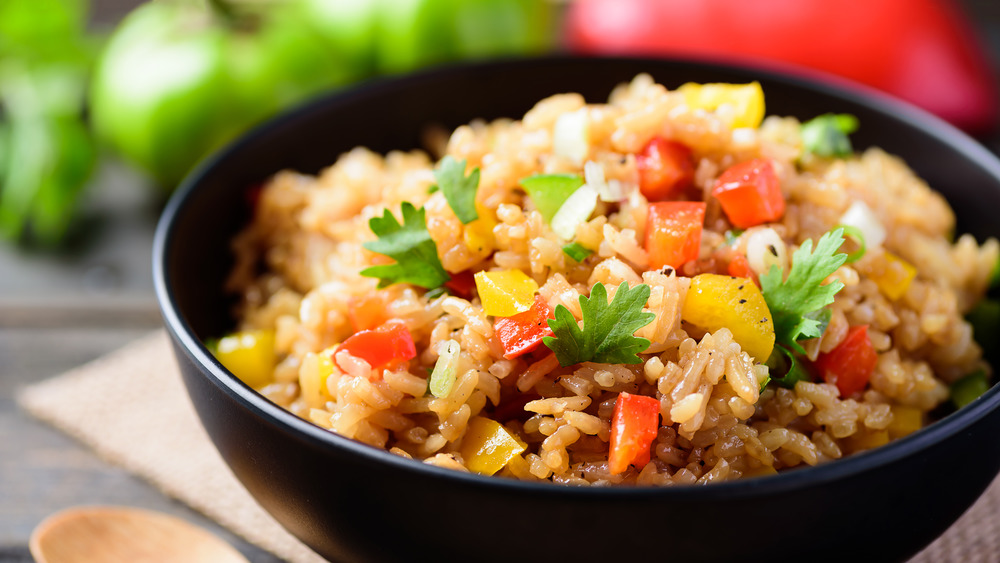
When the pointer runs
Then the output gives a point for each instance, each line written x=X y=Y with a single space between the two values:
x=827 y=134
x=969 y=388
x=178 y=79
x=46 y=150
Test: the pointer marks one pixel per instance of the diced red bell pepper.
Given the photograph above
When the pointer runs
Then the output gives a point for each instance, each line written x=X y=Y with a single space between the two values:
x=523 y=332
x=850 y=365
x=750 y=193
x=462 y=283
x=673 y=232
x=665 y=168
x=385 y=345
x=367 y=311
x=634 y=425
x=739 y=267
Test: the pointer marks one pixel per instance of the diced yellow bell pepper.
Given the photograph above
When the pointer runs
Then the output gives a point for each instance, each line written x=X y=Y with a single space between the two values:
x=506 y=293
x=312 y=382
x=868 y=440
x=905 y=420
x=716 y=301
x=478 y=235
x=894 y=280
x=746 y=99
x=488 y=446
x=249 y=355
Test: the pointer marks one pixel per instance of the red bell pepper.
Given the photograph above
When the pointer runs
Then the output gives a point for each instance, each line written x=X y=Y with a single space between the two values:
x=850 y=365
x=665 y=168
x=385 y=345
x=523 y=332
x=739 y=267
x=634 y=425
x=673 y=232
x=923 y=51
x=462 y=283
x=750 y=193
x=367 y=311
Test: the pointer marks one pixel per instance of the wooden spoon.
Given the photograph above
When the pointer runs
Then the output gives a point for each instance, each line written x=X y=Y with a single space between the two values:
x=118 y=534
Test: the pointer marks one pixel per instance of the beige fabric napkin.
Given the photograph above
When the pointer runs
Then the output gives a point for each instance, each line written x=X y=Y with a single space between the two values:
x=87 y=403
x=101 y=405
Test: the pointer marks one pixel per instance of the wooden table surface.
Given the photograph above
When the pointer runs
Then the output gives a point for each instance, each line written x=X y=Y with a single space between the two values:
x=60 y=311
x=56 y=313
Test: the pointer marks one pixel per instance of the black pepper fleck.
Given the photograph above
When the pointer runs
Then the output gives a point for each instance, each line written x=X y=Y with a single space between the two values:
x=742 y=301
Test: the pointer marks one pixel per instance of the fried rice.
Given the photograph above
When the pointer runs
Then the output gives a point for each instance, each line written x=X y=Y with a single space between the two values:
x=722 y=412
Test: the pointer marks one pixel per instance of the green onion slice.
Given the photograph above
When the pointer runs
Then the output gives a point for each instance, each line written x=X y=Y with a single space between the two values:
x=445 y=370
x=858 y=237
x=577 y=251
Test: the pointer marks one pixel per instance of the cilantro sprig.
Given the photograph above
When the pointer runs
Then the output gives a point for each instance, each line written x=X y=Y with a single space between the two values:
x=410 y=244
x=607 y=333
x=459 y=190
x=798 y=302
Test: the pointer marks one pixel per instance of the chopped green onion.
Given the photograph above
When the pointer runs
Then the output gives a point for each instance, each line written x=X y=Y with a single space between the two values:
x=859 y=237
x=967 y=389
x=827 y=135
x=212 y=345
x=985 y=321
x=549 y=191
x=433 y=189
x=862 y=217
x=570 y=136
x=732 y=235
x=609 y=190
x=445 y=370
x=576 y=251
x=763 y=384
x=574 y=212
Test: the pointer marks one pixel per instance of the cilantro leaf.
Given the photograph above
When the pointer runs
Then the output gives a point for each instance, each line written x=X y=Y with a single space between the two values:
x=827 y=135
x=458 y=189
x=796 y=303
x=410 y=244
x=607 y=333
x=783 y=361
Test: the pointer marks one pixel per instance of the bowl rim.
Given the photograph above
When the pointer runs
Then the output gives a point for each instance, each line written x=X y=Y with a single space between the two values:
x=784 y=482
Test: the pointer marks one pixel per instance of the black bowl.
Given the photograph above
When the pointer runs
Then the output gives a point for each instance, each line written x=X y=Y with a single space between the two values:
x=352 y=502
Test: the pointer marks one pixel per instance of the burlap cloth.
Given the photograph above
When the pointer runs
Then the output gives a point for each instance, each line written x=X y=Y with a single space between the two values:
x=87 y=404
